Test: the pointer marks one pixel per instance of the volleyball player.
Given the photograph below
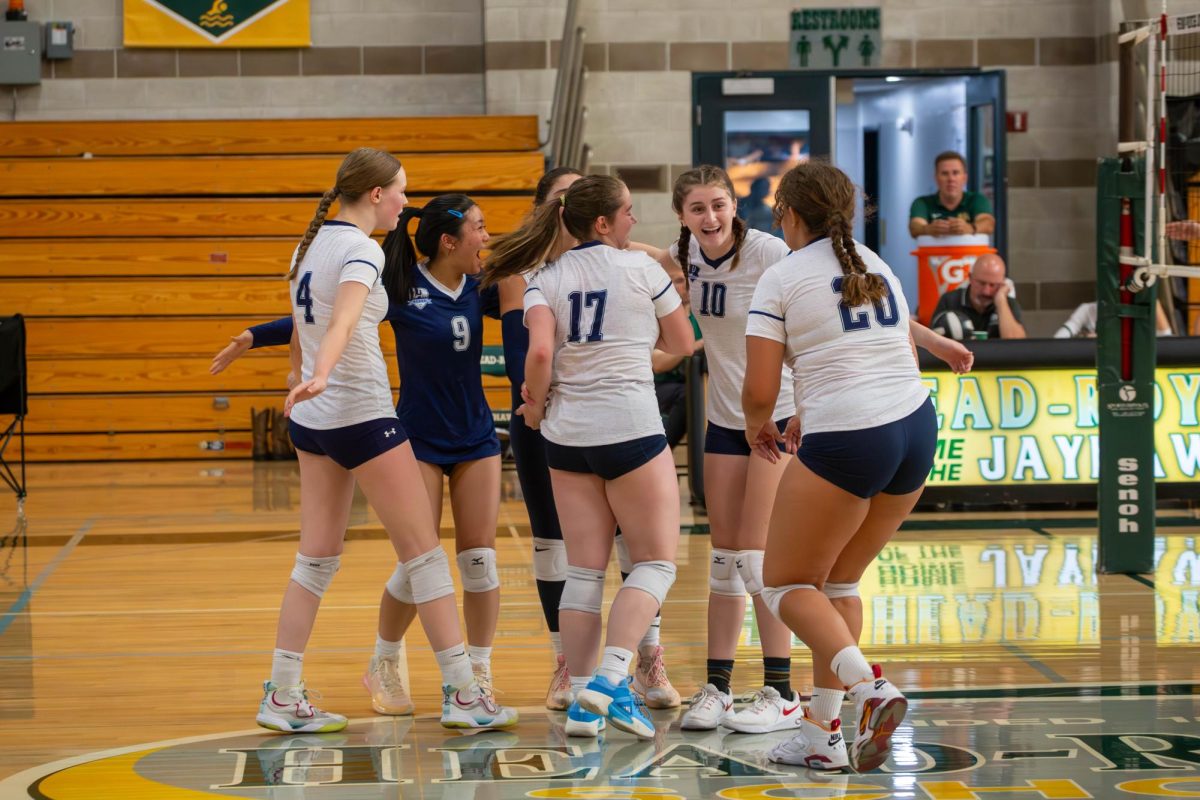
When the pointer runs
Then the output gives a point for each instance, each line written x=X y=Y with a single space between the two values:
x=834 y=312
x=346 y=431
x=439 y=341
x=594 y=315
x=529 y=452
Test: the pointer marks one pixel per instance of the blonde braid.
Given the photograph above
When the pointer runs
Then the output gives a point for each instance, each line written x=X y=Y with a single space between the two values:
x=739 y=236
x=317 y=221
x=684 y=246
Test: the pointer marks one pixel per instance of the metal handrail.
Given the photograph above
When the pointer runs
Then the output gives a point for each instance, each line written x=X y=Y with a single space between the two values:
x=567 y=113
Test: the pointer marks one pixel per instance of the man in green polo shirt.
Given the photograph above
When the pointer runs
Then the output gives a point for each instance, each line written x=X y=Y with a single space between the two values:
x=952 y=210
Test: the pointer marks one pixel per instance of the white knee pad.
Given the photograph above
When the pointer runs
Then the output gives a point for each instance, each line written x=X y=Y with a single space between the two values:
x=723 y=574
x=429 y=576
x=315 y=573
x=773 y=595
x=623 y=557
x=549 y=559
x=652 y=577
x=835 y=590
x=398 y=585
x=749 y=566
x=477 y=568
x=584 y=590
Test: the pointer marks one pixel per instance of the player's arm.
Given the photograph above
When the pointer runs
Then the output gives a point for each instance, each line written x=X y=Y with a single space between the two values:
x=675 y=333
x=955 y=354
x=538 y=361
x=760 y=391
x=512 y=294
x=295 y=359
x=348 y=306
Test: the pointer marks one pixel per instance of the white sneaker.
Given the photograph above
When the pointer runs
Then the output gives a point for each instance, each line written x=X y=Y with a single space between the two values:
x=767 y=712
x=559 y=696
x=881 y=708
x=815 y=746
x=382 y=681
x=651 y=682
x=708 y=708
x=471 y=707
x=286 y=708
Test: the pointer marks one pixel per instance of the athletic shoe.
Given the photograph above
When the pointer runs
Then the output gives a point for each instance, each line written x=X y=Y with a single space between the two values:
x=558 y=696
x=651 y=682
x=622 y=707
x=708 y=708
x=581 y=722
x=768 y=712
x=286 y=708
x=815 y=746
x=471 y=707
x=388 y=695
x=881 y=708
x=482 y=672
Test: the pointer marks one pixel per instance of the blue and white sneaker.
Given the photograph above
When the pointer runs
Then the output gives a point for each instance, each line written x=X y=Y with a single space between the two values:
x=616 y=702
x=583 y=723
x=473 y=707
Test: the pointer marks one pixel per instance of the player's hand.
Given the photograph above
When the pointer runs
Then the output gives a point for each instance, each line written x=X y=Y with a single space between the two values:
x=1183 y=229
x=955 y=354
x=791 y=435
x=237 y=346
x=765 y=441
x=306 y=390
x=525 y=395
x=533 y=416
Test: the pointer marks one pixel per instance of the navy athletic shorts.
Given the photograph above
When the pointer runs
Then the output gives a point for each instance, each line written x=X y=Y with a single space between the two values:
x=894 y=458
x=353 y=445
x=609 y=461
x=730 y=442
x=448 y=459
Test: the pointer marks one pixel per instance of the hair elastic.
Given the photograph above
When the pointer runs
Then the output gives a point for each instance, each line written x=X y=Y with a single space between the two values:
x=562 y=198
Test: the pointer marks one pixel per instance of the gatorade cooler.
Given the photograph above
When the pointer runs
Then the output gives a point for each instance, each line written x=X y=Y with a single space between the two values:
x=944 y=263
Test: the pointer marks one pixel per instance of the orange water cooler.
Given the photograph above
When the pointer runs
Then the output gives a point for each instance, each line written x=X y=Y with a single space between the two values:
x=944 y=263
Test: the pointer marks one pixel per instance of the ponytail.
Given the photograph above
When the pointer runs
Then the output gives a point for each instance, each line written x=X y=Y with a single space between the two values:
x=400 y=258
x=525 y=248
x=859 y=287
x=317 y=221
x=684 y=246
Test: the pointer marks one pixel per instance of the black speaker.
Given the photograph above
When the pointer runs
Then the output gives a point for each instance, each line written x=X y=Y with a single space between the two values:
x=14 y=397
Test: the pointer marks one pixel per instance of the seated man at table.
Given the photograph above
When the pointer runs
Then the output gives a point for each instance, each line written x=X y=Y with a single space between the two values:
x=951 y=210
x=984 y=300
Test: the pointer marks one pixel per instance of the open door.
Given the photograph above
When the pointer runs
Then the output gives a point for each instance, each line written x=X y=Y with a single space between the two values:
x=986 y=155
x=757 y=126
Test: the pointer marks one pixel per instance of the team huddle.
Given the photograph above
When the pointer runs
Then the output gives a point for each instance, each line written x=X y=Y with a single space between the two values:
x=820 y=435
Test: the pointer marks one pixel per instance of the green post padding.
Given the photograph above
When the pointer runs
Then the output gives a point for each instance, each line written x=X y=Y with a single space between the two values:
x=492 y=360
x=1126 y=408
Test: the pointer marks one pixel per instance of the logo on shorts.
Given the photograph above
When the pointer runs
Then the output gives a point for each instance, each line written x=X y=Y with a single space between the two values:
x=389 y=434
x=420 y=298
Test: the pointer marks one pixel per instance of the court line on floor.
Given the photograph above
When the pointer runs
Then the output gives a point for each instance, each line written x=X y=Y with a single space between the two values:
x=1036 y=664
x=27 y=593
x=1140 y=579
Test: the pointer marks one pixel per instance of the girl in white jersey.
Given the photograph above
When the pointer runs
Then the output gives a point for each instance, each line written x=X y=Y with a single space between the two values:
x=723 y=261
x=833 y=311
x=345 y=430
x=594 y=315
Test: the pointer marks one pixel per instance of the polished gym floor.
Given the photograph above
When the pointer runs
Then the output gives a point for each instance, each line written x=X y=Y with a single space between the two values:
x=138 y=605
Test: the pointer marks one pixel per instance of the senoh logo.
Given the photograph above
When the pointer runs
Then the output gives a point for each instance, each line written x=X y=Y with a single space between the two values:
x=1127 y=495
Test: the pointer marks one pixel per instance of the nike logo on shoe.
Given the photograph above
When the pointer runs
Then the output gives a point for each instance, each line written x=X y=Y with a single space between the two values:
x=787 y=712
x=835 y=740
x=879 y=684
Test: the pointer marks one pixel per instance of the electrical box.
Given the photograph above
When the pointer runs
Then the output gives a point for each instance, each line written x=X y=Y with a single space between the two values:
x=59 y=41
x=20 y=53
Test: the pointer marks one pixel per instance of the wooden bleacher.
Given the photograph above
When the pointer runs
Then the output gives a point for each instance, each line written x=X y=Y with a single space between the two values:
x=135 y=249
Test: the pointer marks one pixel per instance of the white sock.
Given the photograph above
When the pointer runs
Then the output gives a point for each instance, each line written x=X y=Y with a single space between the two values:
x=578 y=684
x=650 y=640
x=386 y=649
x=285 y=667
x=456 y=667
x=615 y=664
x=851 y=666
x=826 y=705
x=556 y=641
x=480 y=655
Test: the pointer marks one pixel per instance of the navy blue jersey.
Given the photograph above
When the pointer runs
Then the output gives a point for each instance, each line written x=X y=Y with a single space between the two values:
x=439 y=343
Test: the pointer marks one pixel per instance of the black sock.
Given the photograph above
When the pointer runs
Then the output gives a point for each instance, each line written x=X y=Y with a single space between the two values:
x=550 y=593
x=720 y=673
x=777 y=673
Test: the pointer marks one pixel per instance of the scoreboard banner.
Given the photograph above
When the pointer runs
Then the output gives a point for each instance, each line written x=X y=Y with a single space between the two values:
x=1014 y=427
x=217 y=23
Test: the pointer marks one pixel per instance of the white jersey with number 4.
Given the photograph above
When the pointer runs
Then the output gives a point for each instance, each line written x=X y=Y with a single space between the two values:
x=606 y=304
x=358 y=389
x=853 y=367
x=720 y=297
